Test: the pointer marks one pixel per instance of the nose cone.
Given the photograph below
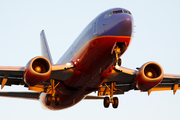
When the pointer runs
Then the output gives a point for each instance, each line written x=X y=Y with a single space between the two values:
x=119 y=25
x=124 y=26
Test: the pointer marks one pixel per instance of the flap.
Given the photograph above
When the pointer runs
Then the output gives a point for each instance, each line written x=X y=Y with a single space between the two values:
x=121 y=75
x=169 y=82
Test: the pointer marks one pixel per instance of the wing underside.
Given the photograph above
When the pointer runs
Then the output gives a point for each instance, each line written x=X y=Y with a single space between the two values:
x=124 y=80
x=22 y=95
x=14 y=76
x=169 y=82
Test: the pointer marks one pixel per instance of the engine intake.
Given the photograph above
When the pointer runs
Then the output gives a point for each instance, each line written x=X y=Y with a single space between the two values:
x=40 y=65
x=149 y=76
x=37 y=71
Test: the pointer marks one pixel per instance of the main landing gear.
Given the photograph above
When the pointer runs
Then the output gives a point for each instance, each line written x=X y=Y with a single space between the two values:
x=49 y=99
x=113 y=100
x=53 y=96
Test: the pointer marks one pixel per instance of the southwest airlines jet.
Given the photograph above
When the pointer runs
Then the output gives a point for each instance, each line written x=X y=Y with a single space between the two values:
x=92 y=63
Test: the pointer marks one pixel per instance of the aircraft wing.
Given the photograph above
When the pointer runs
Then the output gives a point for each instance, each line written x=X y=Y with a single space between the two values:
x=12 y=75
x=169 y=82
x=125 y=80
x=22 y=95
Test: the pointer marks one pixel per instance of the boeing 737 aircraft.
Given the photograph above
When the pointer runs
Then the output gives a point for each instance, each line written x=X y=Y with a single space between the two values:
x=92 y=63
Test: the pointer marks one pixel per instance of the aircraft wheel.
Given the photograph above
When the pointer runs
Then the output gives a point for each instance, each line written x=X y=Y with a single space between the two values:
x=115 y=102
x=106 y=102
x=57 y=100
x=119 y=62
x=48 y=99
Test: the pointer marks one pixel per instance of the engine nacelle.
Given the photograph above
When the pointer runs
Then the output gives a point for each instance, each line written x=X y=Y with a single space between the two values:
x=37 y=71
x=149 y=76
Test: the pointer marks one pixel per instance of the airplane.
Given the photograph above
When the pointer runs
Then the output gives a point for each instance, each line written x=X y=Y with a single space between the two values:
x=91 y=64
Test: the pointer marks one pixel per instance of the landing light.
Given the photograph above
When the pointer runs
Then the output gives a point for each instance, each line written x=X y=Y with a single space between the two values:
x=68 y=63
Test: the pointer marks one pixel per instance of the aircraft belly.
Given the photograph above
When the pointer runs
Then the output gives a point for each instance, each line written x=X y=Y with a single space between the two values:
x=92 y=59
x=65 y=100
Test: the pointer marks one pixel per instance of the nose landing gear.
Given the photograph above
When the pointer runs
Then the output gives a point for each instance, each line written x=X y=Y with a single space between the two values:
x=117 y=52
x=118 y=49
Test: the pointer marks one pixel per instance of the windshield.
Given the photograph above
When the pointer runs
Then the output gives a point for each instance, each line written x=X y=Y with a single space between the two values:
x=116 y=12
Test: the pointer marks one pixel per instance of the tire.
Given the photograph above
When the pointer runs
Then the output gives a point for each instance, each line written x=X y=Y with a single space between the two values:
x=119 y=62
x=57 y=100
x=115 y=102
x=106 y=102
x=48 y=99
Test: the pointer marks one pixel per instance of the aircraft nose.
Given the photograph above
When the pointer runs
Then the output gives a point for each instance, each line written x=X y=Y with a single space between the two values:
x=119 y=25
x=125 y=25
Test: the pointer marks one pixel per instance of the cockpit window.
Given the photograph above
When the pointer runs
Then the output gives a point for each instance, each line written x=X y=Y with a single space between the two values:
x=119 y=11
x=108 y=14
x=127 y=12
x=116 y=12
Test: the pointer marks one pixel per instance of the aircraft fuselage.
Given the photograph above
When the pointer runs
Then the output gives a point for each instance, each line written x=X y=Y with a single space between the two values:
x=93 y=56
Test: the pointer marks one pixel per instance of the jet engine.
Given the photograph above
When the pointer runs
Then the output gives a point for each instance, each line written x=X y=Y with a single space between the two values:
x=149 y=76
x=37 y=71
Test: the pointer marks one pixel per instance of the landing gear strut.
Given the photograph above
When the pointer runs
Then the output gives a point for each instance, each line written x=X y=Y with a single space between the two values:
x=117 y=51
x=113 y=100
x=118 y=62
x=52 y=96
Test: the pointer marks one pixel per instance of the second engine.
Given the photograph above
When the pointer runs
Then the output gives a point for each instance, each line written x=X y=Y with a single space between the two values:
x=149 y=76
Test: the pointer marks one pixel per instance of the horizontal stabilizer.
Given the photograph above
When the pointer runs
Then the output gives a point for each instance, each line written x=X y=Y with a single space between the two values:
x=23 y=95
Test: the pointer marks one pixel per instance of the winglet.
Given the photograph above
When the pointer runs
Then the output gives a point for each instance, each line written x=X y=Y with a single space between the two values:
x=45 y=48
